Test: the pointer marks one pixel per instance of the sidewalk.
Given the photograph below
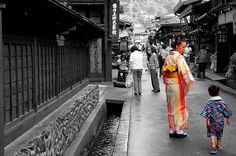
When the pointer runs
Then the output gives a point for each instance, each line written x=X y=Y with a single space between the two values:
x=148 y=132
x=216 y=78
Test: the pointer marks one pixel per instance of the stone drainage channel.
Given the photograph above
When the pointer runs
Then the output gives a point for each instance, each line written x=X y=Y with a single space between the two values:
x=105 y=140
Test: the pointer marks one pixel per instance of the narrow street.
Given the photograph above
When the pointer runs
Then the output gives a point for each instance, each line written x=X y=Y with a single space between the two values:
x=149 y=127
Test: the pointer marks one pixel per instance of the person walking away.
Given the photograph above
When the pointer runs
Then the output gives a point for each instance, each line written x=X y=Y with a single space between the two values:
x=136 y=66
x=154 y=65
x=178 y=81
x=187 y=53
x=215 y=112
x=202 y=59
x=163 y=53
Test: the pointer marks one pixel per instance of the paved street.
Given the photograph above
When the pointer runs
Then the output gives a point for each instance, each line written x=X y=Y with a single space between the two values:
x=149 y=127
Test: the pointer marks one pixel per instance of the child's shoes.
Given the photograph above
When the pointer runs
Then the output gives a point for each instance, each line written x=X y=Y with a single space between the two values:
x=213 y=150
x=220 y=148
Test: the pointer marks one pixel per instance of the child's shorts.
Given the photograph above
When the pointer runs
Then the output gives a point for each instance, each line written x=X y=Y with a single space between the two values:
x=215 y=132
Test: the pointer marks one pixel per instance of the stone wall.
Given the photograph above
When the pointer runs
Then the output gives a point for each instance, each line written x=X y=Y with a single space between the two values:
x=57 y=137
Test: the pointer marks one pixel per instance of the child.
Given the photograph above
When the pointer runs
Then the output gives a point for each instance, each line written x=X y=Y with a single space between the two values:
x=213 y=62
x=214 y=112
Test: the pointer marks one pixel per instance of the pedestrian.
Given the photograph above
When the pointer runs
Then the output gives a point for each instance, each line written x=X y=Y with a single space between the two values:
x=136 y=66
x=213 y=62
x=154 y=65
x=178 y=80
x=202 y=59
x=187 y=54
x=148 y=52
x=163 y=54
x=215 y=112
x=145 y=61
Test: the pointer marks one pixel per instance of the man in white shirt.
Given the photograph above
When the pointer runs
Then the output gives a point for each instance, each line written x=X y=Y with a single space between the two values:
x=136 y=66
x=187 y=53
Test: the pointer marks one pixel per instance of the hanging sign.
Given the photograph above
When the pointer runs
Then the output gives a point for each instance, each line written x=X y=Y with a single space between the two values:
x=114 y=19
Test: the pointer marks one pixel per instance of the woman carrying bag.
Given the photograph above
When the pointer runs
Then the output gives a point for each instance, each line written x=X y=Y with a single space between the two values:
x=136 y=66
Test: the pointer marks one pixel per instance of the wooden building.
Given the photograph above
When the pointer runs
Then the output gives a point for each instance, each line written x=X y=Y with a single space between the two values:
x=168 y=27
x=195 y=31
x=104 y=13
x=210 y=23
x=47 y=51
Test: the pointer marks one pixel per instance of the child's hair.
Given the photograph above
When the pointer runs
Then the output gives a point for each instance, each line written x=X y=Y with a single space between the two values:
x=213 y=90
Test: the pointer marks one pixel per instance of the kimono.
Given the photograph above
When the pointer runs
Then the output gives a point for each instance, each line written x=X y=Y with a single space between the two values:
x=178 y=81
x=215 y=111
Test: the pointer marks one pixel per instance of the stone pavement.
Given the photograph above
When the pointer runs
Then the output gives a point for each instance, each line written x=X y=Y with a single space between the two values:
x=148 y=132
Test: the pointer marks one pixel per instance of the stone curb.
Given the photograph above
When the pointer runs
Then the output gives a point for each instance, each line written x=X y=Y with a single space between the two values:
x=224 y=87
x=121 y=146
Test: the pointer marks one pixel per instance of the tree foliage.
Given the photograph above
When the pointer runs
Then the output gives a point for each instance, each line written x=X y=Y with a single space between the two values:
x=142 y=11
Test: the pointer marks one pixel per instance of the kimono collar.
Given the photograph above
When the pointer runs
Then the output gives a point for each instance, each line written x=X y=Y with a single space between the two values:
x=174 y=52
x=215 y=98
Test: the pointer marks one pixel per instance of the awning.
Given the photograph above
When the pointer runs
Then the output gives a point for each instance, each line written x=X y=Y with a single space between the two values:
x=193 y=32
x=172 y=34
x=190 y=1
x=202 y=17
x=81 y=18
x=186 y=11
x=178 y=6
x=183 y=4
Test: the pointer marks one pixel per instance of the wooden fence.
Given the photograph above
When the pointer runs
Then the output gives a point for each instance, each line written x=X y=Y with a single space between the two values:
x=37 y=70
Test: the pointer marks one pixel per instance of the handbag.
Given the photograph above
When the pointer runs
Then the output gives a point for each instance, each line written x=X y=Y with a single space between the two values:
x=160 y=59
x=129 y=80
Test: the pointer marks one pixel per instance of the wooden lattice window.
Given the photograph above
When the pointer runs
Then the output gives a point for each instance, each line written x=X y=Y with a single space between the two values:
x=222 y=36
x=18 y=76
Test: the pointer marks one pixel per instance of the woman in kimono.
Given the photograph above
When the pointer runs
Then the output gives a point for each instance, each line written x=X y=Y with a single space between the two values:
x=178 y=81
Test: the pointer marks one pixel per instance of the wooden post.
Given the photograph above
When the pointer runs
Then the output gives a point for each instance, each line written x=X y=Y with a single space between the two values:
x=108 y=63
x=2 y=6
x=35 y=85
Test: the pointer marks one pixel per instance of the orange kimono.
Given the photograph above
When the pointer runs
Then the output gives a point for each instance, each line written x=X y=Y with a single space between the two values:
x=178 y=81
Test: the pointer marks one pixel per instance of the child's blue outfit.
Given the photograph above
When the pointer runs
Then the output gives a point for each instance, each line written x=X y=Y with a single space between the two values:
x=216 y=110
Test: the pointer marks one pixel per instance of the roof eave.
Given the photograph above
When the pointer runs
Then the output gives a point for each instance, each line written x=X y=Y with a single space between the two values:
x=81 y=17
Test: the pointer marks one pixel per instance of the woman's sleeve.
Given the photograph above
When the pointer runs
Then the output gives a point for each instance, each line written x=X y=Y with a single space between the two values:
x=187 y=76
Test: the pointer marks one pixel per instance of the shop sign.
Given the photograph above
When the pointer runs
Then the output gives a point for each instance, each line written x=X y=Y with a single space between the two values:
x=225 y=18
x=60 y=40
x=95 y=49
x=114 y=18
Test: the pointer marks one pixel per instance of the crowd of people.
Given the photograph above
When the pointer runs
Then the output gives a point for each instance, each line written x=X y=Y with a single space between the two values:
x=172 y=64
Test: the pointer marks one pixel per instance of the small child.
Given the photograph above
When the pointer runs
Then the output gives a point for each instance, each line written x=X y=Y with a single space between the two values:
x=214 y=112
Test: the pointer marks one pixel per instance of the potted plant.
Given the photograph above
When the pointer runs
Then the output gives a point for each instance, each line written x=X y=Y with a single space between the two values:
x=231 y=72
